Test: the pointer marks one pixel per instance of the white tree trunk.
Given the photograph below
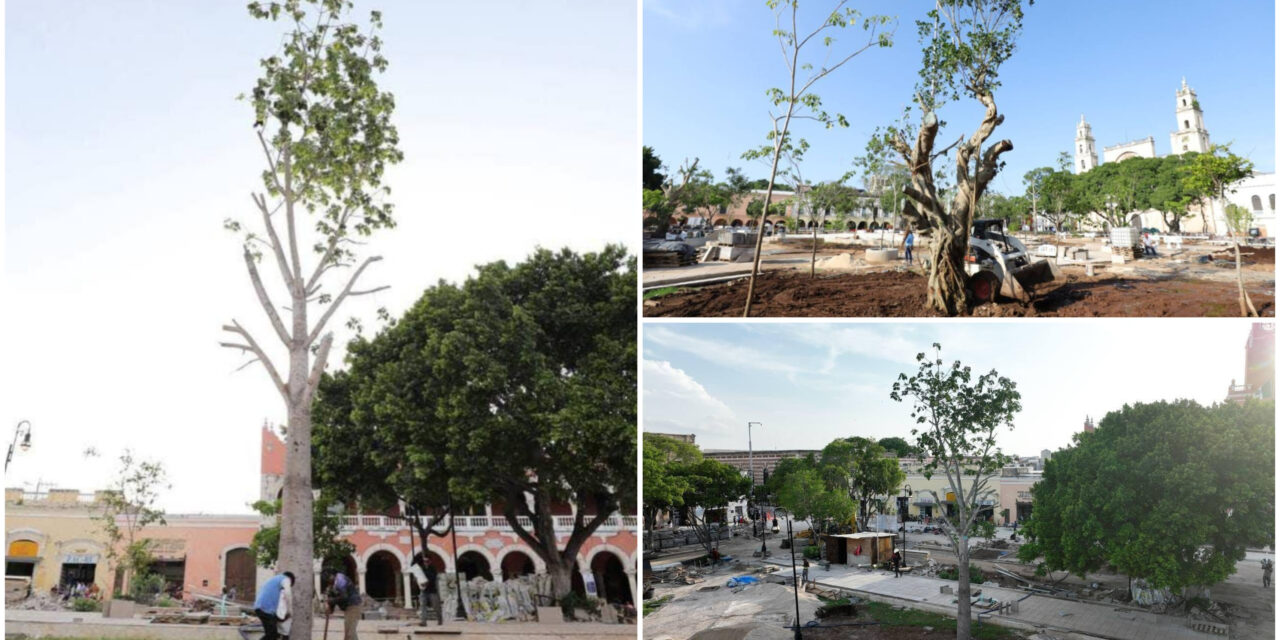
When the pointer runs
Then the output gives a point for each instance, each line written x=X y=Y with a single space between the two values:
x=297 y=547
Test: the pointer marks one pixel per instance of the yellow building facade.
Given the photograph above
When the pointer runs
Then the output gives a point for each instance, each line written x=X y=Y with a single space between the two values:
x=53 y=538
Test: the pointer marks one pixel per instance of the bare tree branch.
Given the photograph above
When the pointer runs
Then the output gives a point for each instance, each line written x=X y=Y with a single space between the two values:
x=317 y=368
x=276 y=247
x=265 y=300
x=346 y=291
x=235 y=328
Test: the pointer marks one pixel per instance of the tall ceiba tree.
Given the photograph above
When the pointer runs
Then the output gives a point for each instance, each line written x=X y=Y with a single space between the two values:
x=958 y=414
x=325 y=130
x=1171 y=492
x=859 y=467
x=797 y=101
x=516 y=388
x=965 y=44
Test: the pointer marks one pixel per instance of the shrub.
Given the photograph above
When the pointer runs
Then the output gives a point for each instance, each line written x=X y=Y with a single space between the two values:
x=953 y=573
x=574 y=600
x=86 y=604
x=811 y=552
x=144 y=587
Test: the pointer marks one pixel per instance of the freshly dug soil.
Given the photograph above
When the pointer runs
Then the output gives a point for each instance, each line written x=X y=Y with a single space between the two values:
x=902 y=294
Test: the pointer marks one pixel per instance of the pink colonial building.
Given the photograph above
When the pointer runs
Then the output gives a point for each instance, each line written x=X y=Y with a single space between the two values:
x=486 y=546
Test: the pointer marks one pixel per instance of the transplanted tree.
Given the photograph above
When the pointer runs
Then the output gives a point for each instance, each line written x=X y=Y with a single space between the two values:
x=958 y=414
x=797 y=101
x=1239 y=219
x=1170 y=195
x=858 y=466
x=1208 y=177
x=128 y=505
x=326 y=136
x=829 y=198
x=516 y=388
x=1171 y=492
x=965 y=44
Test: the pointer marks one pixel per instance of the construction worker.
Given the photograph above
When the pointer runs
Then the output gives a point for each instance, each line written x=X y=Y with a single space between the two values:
x=345 y=595
x=428 y=589
x=897 y=563
x=1266 y=573
x=272 y=604
x=908 y=243
x=804 y=575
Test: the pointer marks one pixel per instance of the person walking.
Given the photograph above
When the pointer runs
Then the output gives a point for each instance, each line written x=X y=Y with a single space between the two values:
x=272 y=603
x=1266 y=573
x=897 y=563
x=908 y=243
x=428 y=589
x=345 y=595
x=804 y=575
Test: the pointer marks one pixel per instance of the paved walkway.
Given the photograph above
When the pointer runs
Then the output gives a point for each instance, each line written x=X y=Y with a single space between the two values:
x=69 y=624
x=1095 y=619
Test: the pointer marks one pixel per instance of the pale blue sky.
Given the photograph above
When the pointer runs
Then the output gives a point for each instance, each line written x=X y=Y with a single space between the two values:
x=813 y=382
x=126 y=149
x=707 y=66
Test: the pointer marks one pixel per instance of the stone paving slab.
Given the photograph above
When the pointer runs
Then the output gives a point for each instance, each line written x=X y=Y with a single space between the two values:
x=1096 y=619
x=70 y=624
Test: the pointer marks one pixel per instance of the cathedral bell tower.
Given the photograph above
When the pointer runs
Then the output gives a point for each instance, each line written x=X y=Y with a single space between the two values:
x=1086 y=156
x=1191 y=134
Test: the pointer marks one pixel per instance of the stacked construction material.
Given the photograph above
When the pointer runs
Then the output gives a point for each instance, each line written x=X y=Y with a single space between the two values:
x=667 y=253
x=1127 y=242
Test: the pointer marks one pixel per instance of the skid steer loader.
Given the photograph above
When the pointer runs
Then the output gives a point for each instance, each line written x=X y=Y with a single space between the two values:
x=1000 y=263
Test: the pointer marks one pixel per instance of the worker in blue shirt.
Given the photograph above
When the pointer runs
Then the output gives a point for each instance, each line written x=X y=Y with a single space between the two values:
x=272 y=604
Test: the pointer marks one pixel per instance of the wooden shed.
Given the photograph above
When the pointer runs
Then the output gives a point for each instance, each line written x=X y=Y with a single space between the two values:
x=857 y=549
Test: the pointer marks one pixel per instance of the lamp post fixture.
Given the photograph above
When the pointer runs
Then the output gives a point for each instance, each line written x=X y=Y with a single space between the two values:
x=906 y=506
x=19 y=433
x=795 y=581
x=751 y=464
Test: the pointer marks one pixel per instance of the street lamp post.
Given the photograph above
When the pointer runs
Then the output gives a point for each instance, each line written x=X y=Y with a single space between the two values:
x=795 y=581
x=751 y=463
x=1111 y=206
x=903 y=510
x=19 y=433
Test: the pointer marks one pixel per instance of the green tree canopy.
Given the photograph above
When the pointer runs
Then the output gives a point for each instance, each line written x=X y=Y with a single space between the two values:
x=858 y=466
x=665 y=483
x=517 y=387
x=898 y=446
x=806 y=494
x=1173 y=492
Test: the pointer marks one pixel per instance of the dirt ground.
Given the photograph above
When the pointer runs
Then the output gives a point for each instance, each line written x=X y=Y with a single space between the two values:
x=901 y=293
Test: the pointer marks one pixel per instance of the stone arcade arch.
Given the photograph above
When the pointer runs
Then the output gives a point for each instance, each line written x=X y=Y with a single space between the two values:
x=382 y=575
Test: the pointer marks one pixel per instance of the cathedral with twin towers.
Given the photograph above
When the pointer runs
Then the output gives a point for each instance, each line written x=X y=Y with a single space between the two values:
x=1256 y=192
x=1190 y=136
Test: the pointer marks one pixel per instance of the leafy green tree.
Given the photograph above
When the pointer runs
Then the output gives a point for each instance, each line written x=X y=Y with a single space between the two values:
x=859 y=468
x=1208 y=176
x=1239 y=219
x=898 y=446
x=782 y=470
x=517 y=387
x=1172 y=492
x=1169 y=195
x=807 y=496
x=958 y=414
x=965 y=44
x=798 y=101
x=128 y=505
x=331 y=547
x=711 y=486
x=651 y=176
x=325 y=130
x=665 y=484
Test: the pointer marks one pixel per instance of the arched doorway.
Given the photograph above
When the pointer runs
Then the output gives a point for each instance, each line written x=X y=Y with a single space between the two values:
x=516 y=564
x=472 y=564
x=862 y=226
x=382 y=575
x=735 y=224
x=1135 y=221
x=611 y=578
x=240 y=574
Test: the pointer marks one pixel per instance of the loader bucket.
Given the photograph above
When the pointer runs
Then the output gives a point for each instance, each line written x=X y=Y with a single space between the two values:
x=1029 y=278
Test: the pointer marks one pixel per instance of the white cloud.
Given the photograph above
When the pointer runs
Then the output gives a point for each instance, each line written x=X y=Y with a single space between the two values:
x=728 y=354
x=676 y=403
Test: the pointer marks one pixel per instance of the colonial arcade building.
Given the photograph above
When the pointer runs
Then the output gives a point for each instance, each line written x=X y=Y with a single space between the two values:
x=52 y=538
